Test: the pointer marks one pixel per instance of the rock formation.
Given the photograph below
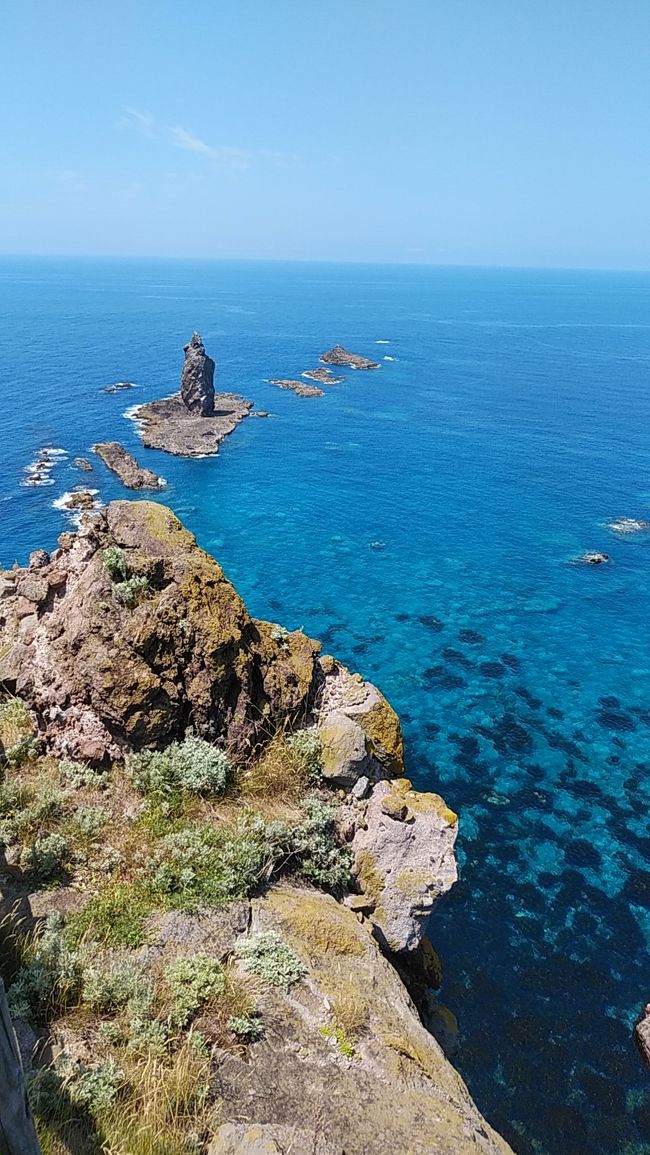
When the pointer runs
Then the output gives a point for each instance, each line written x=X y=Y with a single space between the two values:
x=340 y=356
x=323 y=376
x=297 y=387
x=197 y=381
x=592 y=558
x=189 y=424
x=124 y=465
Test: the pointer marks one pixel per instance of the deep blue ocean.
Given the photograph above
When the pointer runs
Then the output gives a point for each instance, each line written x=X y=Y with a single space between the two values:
x=421 y=520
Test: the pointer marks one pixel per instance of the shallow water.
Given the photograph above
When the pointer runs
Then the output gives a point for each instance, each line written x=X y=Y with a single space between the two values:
x=421 y=520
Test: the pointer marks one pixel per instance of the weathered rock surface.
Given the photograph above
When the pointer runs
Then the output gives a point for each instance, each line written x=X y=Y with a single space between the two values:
x=297 y=387
x=124 y=465
x=79 y=499
x=83 y=464
x=323 y=375
x=103 y=677
x=404 y=860
x=197 y=381
x=340 y=356
x=375 y=748
x=297 y=1092
x=167 y=424
x=642 y=1034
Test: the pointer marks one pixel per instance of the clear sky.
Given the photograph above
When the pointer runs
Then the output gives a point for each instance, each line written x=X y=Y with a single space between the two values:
x=509 y=132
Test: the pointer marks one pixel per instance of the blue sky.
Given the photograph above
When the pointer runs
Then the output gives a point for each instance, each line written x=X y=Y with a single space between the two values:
x=509 y=132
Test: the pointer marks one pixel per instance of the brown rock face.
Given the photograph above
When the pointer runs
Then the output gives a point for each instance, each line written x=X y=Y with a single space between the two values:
x=104 y=674
x=197 y=382
x=642 y=1033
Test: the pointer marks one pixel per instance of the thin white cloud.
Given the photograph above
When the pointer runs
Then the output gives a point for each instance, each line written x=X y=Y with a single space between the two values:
x=144 y=121
x=221 y=155
x=233 y=158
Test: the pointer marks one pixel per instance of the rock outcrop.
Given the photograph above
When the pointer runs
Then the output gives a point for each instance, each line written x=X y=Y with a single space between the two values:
x=104 y=674
x=404 y=860
x=298 y=387
x=197 y=381
x=323 y=376
x=392 y=1091
x=124 y=465
x=340 y=356
x=194 y=422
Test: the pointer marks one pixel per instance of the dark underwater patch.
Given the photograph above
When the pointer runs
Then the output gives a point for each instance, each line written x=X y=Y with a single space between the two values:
x=492 y=669
x=470 y=637
x=582 y=853
x=615 y=720
x=451 y=655
x=511 y=660
x=527 y=697
x=441 y=676
x=553 y=712
x=430 y=622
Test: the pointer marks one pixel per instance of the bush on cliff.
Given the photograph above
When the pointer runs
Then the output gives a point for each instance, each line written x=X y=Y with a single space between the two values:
x=192 y=766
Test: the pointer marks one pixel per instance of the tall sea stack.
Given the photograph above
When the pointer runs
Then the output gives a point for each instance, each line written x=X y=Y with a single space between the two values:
x=197 y=382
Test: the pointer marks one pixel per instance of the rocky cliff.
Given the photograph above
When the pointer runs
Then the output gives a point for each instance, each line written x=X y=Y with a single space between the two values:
x=197 y=381
x=223 y=822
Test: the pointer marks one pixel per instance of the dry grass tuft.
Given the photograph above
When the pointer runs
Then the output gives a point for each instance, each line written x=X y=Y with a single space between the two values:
x=350 y=1009
x=278 y=775
x=15 y=722
x=323 y=931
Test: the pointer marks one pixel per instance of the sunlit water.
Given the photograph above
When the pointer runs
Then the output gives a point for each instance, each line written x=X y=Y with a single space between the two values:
x=420 y=520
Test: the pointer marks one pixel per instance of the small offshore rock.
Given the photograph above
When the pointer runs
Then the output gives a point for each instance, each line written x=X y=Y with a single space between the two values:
x=297 y=387
x=324 y=376
x=80 y=499
x=592 y=558
x=340 y=356
x=83 y=464
x=197 y=381
x=124 y=465
x=118 y=387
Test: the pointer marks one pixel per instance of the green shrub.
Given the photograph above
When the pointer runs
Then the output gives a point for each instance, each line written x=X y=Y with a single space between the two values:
x=268 y=957
x=343 y=1041
x=50 y=980
x=131 y=591
x=24 y=750
x=46 y=859
x=96 y=1088
x=212 y=865
x=192 y=982
x=194 y=766
x=147 y=1037
x=80 y=774
x=307 y=747
x=313 y=842
x=248 y=1028
x=88 y=820
x=116 y=563
x=111 y=984
x=24 y=815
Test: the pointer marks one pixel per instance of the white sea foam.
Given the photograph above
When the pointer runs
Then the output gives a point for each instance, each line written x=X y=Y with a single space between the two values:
x=382 y=342
x=390 y=358
x=132 y=412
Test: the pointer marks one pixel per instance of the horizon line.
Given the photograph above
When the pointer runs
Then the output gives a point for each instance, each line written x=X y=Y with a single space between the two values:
x=323 y=261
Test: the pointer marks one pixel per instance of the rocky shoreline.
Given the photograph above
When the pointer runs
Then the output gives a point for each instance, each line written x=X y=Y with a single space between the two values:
x=115 y=644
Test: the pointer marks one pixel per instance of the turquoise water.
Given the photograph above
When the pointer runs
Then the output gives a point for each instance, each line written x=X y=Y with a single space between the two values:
x=421 y=520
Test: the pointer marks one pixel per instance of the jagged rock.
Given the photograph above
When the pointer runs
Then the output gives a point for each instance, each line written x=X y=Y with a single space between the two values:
x=38 y=558
x=124 y=465
x=340 y=356
x=360 y=788
x=396 y=1095
x=642 y=1034
x=80 y=499
x=363 y=704
x=188 y=653
x=297 y=387
x=118 y=387
x=83 y=464
x=404 y=866
x=197 y=381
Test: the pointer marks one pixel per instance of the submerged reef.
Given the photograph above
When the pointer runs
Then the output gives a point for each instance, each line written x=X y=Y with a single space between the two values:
x=221 y=869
